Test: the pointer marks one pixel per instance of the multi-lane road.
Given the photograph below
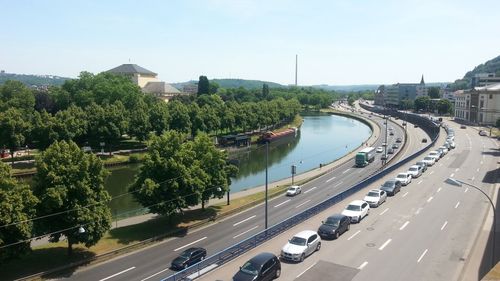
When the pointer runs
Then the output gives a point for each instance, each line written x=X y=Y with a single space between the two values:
x=153 y=262
x=425 y=232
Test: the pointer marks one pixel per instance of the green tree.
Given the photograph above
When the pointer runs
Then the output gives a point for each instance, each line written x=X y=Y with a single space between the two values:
x=213 y=87
x=444 y=106
x=406 y=104
x=14 y=94
x=159 y=118
x=179 y=117
x=434 y=92
x=203 y=85
x=13 y=129
x=422 y=103
x=107 y=123
x=17 y=204
x=140 y=125
x=71 y=183
x=265 y=91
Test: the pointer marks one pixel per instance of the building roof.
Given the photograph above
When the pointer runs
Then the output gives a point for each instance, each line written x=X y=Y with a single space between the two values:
x=132 y=69
x=491 y=87
x=160 y=87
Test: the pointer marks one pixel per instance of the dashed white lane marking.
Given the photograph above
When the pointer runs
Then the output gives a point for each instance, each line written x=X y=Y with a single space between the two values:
x=458 y=203
x=430 y=199
x=330 y=179
x=362 y=265
x=338 y=184
x=456 y=170
x=439 y=189
x=346 y=171
x=466 y=189
x=481 y=162
x=405 y=194
x=312 y=188
x=472 y=179
x=116 y=274
x=306 y=269
x=385 y=244
x=441 y=165
x=352 y=236
x=244 y=220
x=422 y=256
x=477 y=170
x=419 y=182
x=302 y=203
x=387 y=209
x=404 y=225
x=182 y=247
x=444 y=225
x=282 y=203
x=245 y=232
x=452 y=175
x=418 y=211
x=432 y=172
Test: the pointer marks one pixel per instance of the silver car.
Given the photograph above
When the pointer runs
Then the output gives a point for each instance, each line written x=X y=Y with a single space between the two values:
x=301 y=245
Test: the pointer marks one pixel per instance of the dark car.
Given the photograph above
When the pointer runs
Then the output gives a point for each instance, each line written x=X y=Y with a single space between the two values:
x=264 y=266
x=399 y=140
x=391 y=133
x=334 y=226
x=415 y=126
x=463 y=127
x=384 y=157
x=390 y=150
x=188 y=258
x=423 y=165
x=395 y=146
x=424 y=140
x=391 y=187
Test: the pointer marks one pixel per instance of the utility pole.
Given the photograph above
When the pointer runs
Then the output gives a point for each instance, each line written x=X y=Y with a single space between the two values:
x=267 y=156
x=296 y=66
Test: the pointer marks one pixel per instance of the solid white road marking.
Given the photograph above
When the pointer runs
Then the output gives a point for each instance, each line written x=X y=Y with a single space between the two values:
x=418 y=211
x=338 y=184
x=346 y=171
x=312 y=188
x=439 y=189
x=444 y=225
x=405 y=194
x=458 y=203
x=387 y=209
x=419 y=182
x=306 y=269
x=385 y=244
x=282 y=203
x=182 y=247
x=245 y=232
x=244 y=220
x=330 y=179
x=422 y=255
x=481 y=162
x=430 y=199
x=456 y=170
x=452 y=175
x=404 y=225
x=302 y=203
x=432 y=172
x=477 y=170
x=352 y=236
x=466 y=189
x=362 y=265
x=116 y=274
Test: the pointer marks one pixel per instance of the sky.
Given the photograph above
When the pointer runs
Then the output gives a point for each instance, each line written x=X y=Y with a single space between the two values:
x=338 y=42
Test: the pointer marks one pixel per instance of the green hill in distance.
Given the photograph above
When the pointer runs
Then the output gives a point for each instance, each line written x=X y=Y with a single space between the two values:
x=33 y=80
x=491 y=66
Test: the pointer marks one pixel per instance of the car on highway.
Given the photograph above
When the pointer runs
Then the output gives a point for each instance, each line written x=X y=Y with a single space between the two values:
x=395 y=146
x=390 y=150
x=334 y=226
x=399 y=140
x=375 y=197
x=188 y=257
x=380 y=149
x=357 y=210
x=293 y=190
x=483 y=133
x=444 y=149
x=384 y=157
x=450 y=138
x=463 y=127
x=391 y=133
x=436 y=154
x=429 y=160
x=262 y=267
x=404 y=178
x=423 y=165
x=451 y=143
x=391 y=187
x=415 y=171
x=301 y=245
x=447 y=145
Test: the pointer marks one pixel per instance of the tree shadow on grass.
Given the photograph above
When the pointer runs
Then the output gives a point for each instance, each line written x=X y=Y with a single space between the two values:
x=41 y=260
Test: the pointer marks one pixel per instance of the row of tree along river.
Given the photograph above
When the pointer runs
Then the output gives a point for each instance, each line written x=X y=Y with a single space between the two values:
x=322 y=138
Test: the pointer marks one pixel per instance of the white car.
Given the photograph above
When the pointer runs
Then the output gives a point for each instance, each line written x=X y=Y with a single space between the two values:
x=293 y=190
x=404 y=178
x=375 y=197
x=451 y=143
x=444 y=149
x=301 y=245
x=357 y=210
x=380 y=149
x=429 y=160
x=415 y=171
x=435 y=154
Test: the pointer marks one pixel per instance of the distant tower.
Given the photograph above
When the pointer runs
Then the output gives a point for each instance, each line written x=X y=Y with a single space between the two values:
x=296 y=63
x=422 y=80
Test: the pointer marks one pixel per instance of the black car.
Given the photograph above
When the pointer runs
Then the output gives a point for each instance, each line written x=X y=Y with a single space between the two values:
x=399 y=140
x=395 y=146
x=424 y=140
x=423 y=165
x=264 y=266
x=391 y=187
x=334 y=226
x=390 y=150
x=188 y=258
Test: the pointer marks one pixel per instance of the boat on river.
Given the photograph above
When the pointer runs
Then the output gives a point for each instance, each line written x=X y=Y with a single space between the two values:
x=270 y=136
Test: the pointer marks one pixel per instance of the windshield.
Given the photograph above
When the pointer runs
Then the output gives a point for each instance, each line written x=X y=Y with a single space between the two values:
x=298 y=241
x=428 y=158
x=186 y=254
x=414 y=169
x=353 y=208
x=401 y=176
x=291 y=189
x=332 y=221
x=249 y=268
x=388 y=184
x=372 y=194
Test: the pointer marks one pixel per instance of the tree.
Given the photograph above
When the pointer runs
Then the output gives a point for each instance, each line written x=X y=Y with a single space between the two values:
x=444 y=106
x=179 y=117
x=422 y=103
x=203 y=86
x=107 y=123
x=434 y=92
x=139 y=121
x=71 y=183
x=406 y=104
x=17 y=206
x=265 y=91
x=213 y=87
x=159 y=118
x=14 y=94
x=498 y=123
x=13 y=129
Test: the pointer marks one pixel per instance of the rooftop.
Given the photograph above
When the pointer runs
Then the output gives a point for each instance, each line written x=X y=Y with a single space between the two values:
x=131 y=68
x=491 y=87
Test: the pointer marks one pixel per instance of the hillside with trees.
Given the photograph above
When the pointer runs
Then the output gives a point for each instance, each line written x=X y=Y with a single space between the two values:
x=33 y=80
x=491 y=66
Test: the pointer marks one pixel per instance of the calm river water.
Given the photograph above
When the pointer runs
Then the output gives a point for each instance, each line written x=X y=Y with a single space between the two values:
x=323 y=138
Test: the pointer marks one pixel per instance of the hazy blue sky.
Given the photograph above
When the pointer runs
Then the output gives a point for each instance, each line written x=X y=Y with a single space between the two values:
x=338 y=42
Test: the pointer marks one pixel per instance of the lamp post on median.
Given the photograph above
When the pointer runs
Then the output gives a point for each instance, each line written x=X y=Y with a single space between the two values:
x=457 y=182
x=267 y=156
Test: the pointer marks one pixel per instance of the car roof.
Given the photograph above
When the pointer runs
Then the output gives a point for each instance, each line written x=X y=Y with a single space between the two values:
x=414 y=166
x=390 y=181
x=192 y=249
x=305 y=233
x=404 y=173
x=337 y=216
x=357 y=202
x=293 y=186
x=262 y=258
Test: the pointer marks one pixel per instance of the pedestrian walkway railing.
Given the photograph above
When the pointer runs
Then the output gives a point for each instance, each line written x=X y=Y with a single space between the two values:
x=254 y=241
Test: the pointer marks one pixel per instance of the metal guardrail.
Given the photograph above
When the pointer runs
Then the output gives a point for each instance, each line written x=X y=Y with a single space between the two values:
x=242 y=247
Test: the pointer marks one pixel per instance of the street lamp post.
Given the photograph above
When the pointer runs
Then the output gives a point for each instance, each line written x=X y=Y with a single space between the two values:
x=457 y=182
x=294 y=171
x=267 y=156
